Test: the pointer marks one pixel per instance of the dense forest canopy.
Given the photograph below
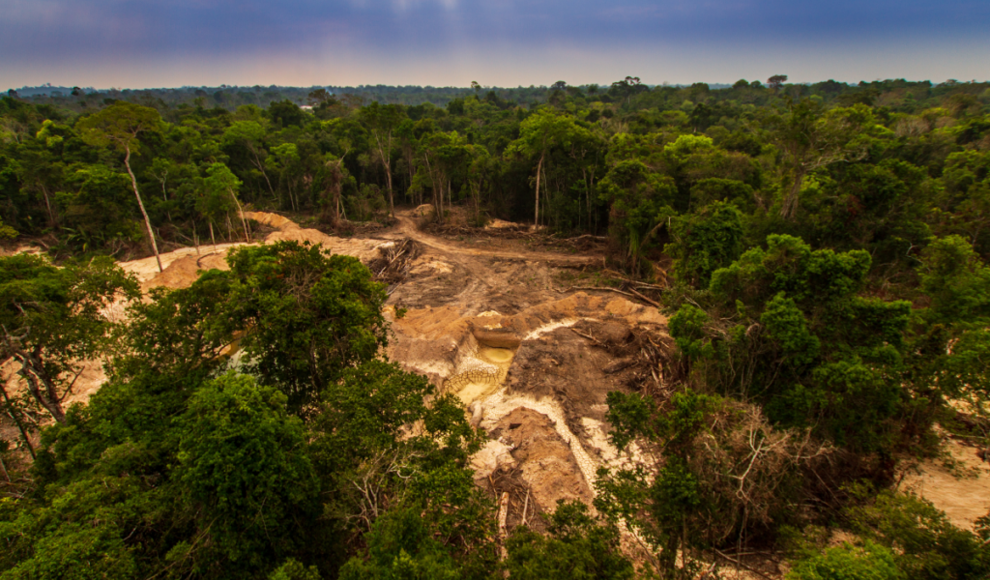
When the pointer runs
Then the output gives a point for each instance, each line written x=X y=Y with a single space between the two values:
x=822 y=250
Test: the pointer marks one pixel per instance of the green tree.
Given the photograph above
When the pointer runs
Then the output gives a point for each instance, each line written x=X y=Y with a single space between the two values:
x=847 y=562
x=118 y=126
x=243 y=458
x=306 y=315
x=576 y=546
x=538 y=134
x=665 y=501
x=641 y=201
x=810 y=137
x=222 y=182
x=705 y=241
x=53 y=320
x=383 y=120
x=804 y=343
x=250 y=135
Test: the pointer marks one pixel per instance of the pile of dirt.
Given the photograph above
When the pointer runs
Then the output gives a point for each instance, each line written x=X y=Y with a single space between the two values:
x=182 y=266
x=146 y=269
x=543 y=457
x=272 y=220
x=289 y=231
x=182 y=272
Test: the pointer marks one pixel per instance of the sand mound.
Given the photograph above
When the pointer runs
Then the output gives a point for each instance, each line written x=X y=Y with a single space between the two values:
x=182 y=266
x=544 y=457
x=182 y=272
x=272 y=220
x=146 y=269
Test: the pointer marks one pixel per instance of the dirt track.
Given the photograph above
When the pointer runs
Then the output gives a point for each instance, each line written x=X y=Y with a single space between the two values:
x=406 y=227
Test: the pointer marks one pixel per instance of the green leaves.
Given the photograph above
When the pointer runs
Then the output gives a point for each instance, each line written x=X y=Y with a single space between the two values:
x=306 y=315
x=846 y=562
x=705 y=241
x=52 y=319
x=957 y=281
x=119 y=125
x=786 y=325
x=576 y=547
x=803 y=341
x=243 y=458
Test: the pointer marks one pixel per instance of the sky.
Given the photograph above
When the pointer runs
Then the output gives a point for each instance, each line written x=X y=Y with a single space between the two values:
x=171 y=43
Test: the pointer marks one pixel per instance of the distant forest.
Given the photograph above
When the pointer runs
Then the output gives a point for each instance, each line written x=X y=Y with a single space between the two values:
x=230 y=97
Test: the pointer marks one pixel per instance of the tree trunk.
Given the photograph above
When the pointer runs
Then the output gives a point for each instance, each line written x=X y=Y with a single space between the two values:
x=212 y=239
x=790 y=203
x=536 y=213
x=17 y=420
x=48 y=204
x=47 y=398
x=40 y=384
x=437 y=205
x=147 y=221
x=240 y=212
x=546 y=197
x=261 y=168
x=388 y=171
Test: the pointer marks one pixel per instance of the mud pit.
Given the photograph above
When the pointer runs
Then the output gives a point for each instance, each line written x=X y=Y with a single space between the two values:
x=532 y=365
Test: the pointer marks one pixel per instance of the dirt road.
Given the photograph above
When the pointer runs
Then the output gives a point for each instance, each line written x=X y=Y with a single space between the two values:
x=406 y=228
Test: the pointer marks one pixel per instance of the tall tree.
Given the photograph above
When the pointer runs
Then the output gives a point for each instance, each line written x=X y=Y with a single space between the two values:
x=538 y=135
x=221 y=183
x=250 y=135
x=811 y=138
x=118 y=126
x=382 y=120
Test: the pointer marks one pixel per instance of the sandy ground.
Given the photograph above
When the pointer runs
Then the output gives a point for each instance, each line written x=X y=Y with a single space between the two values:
x=959 y=487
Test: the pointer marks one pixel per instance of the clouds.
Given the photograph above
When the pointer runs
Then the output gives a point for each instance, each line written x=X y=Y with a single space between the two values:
x=53 y=33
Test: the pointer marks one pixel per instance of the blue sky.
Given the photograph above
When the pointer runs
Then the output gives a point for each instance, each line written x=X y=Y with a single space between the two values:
x=166 y=43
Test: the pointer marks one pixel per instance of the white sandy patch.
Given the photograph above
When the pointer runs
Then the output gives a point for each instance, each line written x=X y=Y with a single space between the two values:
x=548 y=328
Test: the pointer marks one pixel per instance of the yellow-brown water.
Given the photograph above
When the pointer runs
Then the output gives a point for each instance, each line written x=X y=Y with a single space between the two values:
x=480 y=382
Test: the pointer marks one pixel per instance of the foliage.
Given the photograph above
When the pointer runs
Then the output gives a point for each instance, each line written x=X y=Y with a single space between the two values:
x=52 y=320
x=706 y=241
x=576 y=546
x=178 y=468
x=846 y=562
x=305 y=315
x=243 y=458
x=803 y=342
x=827 y=245
x=924 y=543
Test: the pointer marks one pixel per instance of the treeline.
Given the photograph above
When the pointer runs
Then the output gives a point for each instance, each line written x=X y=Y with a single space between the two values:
x=769 y=146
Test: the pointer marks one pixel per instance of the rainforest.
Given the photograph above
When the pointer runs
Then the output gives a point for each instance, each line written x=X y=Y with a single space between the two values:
x=617 y=331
